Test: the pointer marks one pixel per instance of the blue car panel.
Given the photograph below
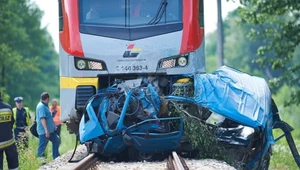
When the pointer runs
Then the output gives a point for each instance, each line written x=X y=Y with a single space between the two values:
x=235 y=95
x=89 y=129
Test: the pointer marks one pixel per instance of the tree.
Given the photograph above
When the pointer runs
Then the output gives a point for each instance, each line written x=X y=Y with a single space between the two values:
x=11 y=36
x=239 y=50
x=29 y=63
x=277 y=24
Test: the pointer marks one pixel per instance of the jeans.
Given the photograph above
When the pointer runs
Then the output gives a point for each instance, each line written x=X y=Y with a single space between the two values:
x=43 y=141
x=57 y=131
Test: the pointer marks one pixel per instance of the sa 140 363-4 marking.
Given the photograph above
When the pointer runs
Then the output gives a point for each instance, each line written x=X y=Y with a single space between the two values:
x=132 y=68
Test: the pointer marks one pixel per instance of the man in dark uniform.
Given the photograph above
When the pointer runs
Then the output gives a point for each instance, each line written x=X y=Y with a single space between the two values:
x=22 y=116
x=7 y=142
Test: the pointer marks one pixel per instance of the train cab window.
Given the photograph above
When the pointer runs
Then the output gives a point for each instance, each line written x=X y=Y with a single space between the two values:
x=60 y=16
x=130 y=13
x=201 y=13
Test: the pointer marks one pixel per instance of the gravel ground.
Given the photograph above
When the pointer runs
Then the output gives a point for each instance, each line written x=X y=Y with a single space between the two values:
x=207 y=164
x=62 y=163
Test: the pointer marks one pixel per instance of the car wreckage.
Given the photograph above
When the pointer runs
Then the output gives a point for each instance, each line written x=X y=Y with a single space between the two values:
x=130 y=117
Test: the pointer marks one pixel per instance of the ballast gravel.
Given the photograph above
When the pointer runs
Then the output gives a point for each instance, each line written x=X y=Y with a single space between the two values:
x=206 y=164
x=61 y=163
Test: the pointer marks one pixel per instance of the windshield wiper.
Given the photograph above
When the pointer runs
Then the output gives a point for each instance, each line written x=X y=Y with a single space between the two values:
x=160 y=12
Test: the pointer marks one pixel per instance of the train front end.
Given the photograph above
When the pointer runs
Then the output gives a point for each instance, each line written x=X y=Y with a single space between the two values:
x=138 y=49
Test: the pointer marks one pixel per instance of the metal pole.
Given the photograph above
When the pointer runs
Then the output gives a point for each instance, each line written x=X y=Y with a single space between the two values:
x=220 y=36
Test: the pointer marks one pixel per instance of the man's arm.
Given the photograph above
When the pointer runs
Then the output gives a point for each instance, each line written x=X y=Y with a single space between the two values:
x=42 y=117
x=28 y=116
x=44 y=123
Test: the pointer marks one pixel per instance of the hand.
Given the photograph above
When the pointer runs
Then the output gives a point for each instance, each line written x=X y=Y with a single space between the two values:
x=54 y=113
x=47 y=134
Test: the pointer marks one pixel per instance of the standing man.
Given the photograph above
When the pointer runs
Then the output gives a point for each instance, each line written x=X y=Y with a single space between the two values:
x=46 y=127
x=7 y=142
x=23 y=120
x=55 y=110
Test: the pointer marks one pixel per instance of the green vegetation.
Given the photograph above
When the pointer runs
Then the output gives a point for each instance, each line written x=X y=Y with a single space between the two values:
x=29 y=66
x=240 y=51
x=27 y=157
x=199 y=134
x=203 y=138
x=276 y=24
x=29 y=63
x=282 y=158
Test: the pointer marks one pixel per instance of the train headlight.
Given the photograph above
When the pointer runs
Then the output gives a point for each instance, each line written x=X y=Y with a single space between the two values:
x=87 y=64
x=182 y=61
x=168 y=63
x=81 y=64
x=93 y=65
x=175 y=61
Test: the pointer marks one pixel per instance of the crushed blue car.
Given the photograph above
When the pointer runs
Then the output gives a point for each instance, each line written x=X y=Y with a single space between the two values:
x=249 y=110
x=126 y=117
x=125 y=120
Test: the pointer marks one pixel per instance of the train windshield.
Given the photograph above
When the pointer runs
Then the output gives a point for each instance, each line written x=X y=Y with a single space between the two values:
x=130 y=13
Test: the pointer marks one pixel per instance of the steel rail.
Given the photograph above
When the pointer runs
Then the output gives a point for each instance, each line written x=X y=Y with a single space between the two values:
x=86 y=163
x=175 y=162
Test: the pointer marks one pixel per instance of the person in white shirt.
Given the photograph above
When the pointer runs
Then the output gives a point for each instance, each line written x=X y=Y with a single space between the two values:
x=94 y=11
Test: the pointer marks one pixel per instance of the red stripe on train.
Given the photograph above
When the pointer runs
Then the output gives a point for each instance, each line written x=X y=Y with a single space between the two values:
x=192 y=35
x=70 y=36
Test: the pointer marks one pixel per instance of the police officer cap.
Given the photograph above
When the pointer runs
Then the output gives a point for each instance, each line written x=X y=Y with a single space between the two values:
x=18 y=99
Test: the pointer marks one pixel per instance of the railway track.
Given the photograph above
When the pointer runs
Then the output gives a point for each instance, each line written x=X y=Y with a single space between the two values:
x=176 y=162
x=86 y=163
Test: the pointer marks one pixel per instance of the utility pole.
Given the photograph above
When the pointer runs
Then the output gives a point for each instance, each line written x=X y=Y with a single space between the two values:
x=220 y=36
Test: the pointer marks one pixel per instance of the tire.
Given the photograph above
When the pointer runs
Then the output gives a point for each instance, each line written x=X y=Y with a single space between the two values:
x=265 y=163
x=145 y=157
x=135 y=155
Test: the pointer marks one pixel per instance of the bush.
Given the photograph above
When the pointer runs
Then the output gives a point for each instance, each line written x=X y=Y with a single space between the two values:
x=200 y=135
x=27 y=156
x=282 y=158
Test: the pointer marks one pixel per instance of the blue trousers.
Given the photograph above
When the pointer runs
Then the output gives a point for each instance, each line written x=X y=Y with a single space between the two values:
x=43 y=141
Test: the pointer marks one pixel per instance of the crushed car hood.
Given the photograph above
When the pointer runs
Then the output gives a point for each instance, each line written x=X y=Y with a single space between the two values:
x=233 y=94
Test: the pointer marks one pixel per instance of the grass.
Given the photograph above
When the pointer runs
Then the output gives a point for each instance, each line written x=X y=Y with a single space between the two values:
x=28 y=157
x=282 y=158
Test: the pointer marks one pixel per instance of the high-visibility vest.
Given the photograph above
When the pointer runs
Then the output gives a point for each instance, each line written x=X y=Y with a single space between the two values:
x=27 y=116
x=6 y=137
